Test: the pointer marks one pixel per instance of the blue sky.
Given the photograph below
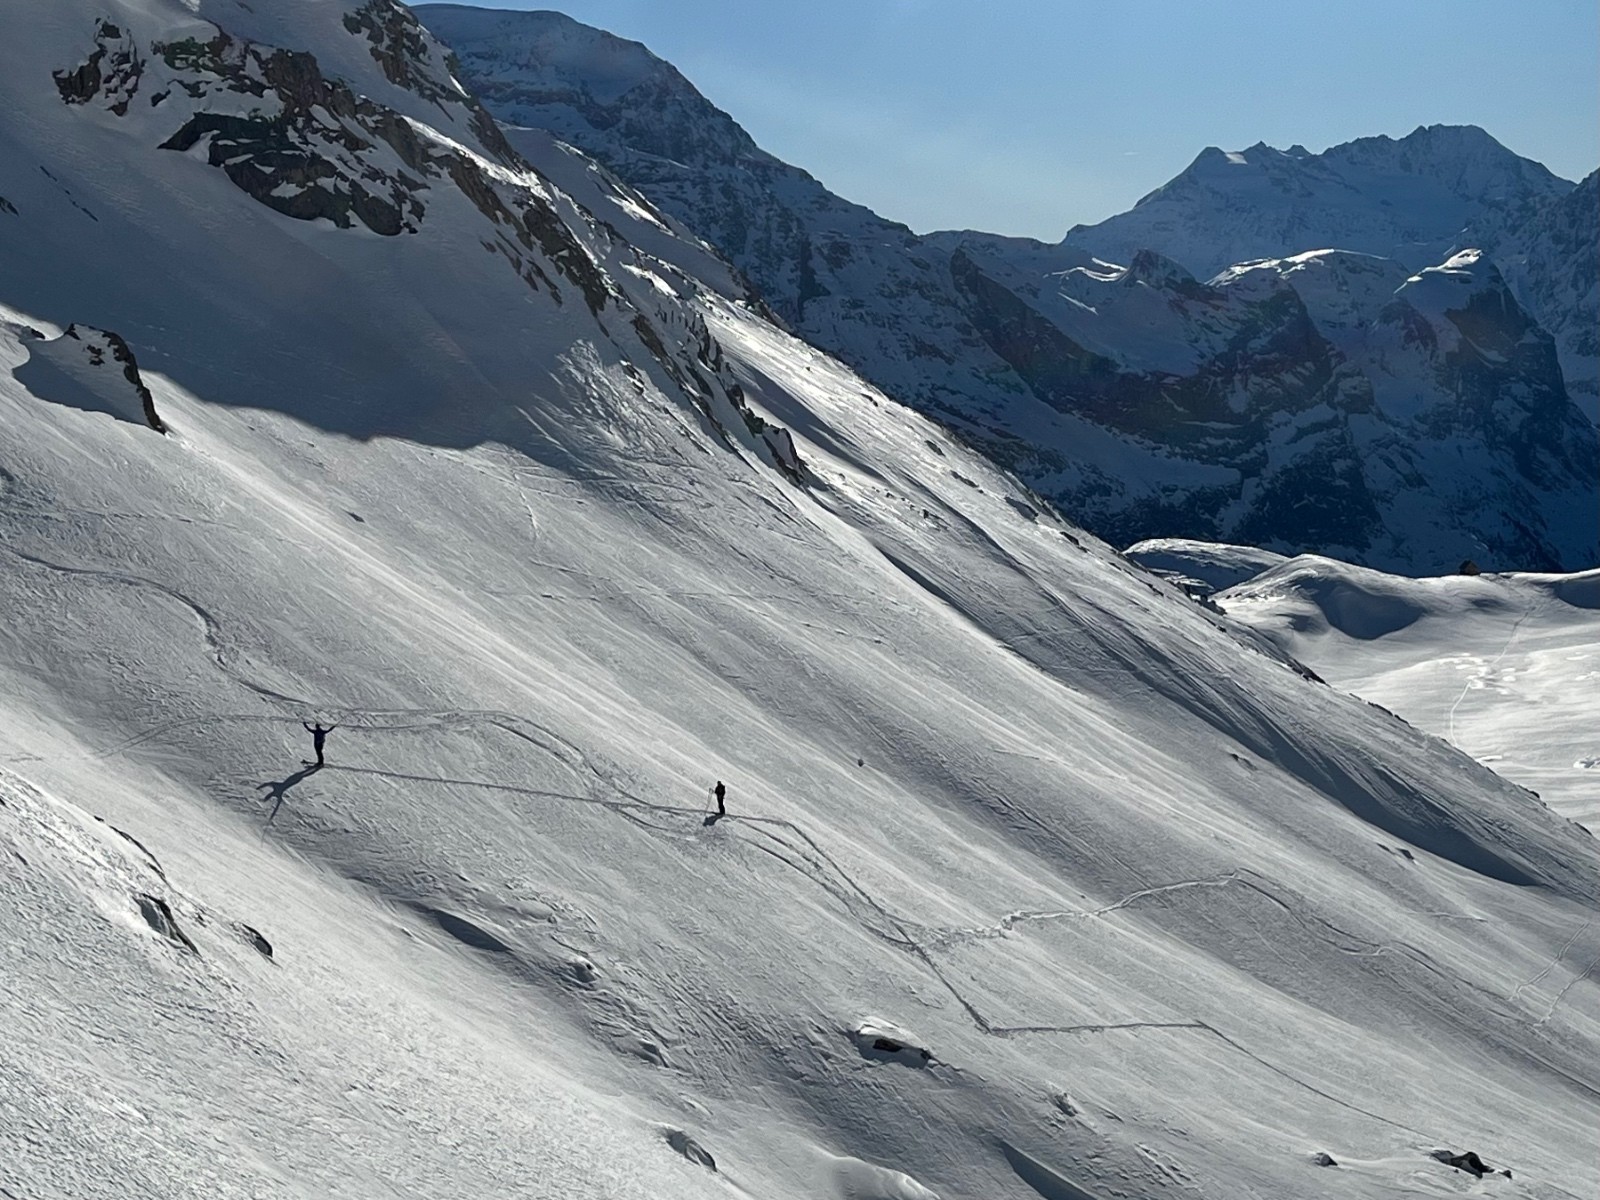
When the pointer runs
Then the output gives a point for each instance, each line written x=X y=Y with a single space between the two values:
x=1027 y=116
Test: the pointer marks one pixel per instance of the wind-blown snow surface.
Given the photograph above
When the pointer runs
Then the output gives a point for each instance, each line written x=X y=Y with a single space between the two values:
x=1504 y=666
x=1165 y=915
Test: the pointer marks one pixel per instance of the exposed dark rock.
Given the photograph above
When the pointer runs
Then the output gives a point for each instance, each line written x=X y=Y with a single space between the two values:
x=291 y=161
x=57 y=372
x=881 y=1042
x=113 y=343
x=1323 y=1159
x=253 y=936
x=130 y=371
x=398 y=45
x=113 y=69
x=7 y=207
x=1467 y=1161
x=154 y=863
x=159 y=917
x=690 y=1149
x=781 y=443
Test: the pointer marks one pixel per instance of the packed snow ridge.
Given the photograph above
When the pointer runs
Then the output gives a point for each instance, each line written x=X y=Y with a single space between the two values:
x=1036 y=879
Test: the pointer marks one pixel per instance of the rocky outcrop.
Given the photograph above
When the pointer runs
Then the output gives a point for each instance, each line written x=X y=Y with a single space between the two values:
x=111 y=71
x=311 y=148
x=94 y=370
x=158 y=915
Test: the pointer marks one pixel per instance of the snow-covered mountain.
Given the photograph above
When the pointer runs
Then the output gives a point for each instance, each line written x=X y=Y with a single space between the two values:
x=1416 y=200
x=1409 y=199
x=1501 y=665
x=318 y=404
x=1142 y=401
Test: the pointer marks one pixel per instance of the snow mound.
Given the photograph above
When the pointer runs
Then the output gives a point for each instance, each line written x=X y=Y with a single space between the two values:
x=884 y=1041
x=854 y=1179
x=1215 y=564
x=1323 y=594
x=1501 y=665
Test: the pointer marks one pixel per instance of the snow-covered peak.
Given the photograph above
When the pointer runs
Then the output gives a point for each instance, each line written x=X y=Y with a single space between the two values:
x=560 y=50
x=1466 y=296
x=1405 y=198
x=1451 y=285
x=588 y=87
x=1039 y=351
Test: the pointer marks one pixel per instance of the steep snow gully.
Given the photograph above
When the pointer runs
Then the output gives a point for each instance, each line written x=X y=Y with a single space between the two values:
x=1037 y=879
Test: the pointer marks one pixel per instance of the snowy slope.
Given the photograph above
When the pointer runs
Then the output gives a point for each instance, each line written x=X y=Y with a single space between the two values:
x=1139 y=399
x=1165 y=915
x=1503 y=666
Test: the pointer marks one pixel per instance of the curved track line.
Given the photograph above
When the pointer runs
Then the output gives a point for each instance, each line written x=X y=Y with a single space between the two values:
x=1504 y=650
x=633 y=806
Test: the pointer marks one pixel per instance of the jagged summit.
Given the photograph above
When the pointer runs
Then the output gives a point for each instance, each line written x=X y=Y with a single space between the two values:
x=1408 y=198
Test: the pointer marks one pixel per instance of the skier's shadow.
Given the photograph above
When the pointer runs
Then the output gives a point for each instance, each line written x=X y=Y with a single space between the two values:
x=279 y=789
x=712 y=819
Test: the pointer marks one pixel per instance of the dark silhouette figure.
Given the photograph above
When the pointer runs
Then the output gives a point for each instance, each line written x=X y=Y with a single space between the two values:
x=319 y=735
x=278 y=790
x=719 y=792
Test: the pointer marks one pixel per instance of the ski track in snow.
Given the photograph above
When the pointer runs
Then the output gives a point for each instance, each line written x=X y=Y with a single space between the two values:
x=818 y=864
x=1551 y=965
x=1511 y=638
x=1562 y=994
x=500 y=903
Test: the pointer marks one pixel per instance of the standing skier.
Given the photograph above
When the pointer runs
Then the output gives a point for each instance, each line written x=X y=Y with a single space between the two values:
x=719 y=792
x=319 y=735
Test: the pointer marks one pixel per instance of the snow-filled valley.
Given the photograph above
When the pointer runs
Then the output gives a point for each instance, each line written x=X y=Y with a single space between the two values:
x=1503 y=666
x=1037 y=879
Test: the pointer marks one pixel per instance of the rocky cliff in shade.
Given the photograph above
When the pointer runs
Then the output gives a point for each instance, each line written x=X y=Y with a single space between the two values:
x=1553 y=265
x=1151 y=404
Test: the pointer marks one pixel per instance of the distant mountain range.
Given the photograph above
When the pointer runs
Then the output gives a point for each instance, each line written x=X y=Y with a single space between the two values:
x=1394 y=378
